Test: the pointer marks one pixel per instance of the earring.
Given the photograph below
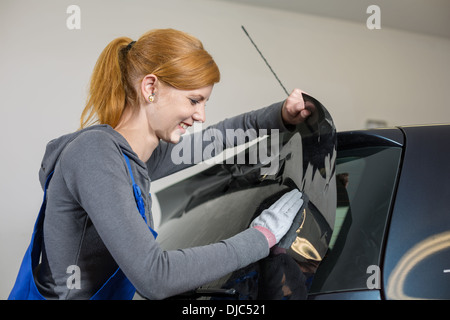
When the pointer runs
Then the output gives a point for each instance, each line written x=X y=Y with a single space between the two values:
x=151 y=97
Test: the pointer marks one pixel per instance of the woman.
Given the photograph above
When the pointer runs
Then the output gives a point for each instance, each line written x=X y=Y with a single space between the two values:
x=95 y=244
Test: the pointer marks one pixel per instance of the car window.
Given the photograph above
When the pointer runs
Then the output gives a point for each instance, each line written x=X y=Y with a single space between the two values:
x=365 y=179
x=221 y=201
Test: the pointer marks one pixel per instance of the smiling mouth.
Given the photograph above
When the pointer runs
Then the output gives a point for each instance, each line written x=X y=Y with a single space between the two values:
x=184 y=125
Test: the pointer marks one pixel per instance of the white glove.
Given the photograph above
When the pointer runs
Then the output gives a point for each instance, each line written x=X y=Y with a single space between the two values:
x=279 y=217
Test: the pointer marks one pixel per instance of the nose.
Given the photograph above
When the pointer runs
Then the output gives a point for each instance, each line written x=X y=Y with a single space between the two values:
x=199 y=114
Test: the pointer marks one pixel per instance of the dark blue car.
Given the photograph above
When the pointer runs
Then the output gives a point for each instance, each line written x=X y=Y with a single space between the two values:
x=376 y=225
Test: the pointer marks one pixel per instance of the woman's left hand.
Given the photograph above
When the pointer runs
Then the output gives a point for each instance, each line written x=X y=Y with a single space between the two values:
x=294 y=109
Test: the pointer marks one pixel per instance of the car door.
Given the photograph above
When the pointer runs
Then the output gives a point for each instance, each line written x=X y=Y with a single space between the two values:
x=221 y=201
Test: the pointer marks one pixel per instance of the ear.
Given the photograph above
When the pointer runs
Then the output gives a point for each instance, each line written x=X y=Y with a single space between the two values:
x=148 y=86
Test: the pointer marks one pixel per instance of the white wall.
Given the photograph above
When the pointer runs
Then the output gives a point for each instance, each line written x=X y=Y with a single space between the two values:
x=399 y=77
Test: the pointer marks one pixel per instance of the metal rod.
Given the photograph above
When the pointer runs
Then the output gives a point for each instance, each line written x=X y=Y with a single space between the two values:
x=262 y=56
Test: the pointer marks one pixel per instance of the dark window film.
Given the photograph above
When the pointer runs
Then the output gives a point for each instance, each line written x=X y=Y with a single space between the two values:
x=365 y=180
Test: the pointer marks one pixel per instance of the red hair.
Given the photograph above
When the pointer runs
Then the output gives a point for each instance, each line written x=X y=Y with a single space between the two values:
x=175 y=57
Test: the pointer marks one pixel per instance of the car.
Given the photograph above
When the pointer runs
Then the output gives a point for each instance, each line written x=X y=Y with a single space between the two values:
x=375 y=224
x=393 y=225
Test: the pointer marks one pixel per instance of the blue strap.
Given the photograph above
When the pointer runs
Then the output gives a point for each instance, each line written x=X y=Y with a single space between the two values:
x=138 y=195
x=137 y=191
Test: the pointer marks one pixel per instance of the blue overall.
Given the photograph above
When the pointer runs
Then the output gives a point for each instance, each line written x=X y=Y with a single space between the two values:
x=117 y=287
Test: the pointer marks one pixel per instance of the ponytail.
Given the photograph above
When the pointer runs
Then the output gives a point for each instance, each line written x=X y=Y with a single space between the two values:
x=106 y=99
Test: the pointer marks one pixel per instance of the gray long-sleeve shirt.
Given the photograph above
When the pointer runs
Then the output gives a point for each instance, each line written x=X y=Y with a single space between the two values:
x=91 y=220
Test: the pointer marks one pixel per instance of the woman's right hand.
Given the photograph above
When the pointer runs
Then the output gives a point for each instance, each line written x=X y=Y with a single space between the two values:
x=276 y=221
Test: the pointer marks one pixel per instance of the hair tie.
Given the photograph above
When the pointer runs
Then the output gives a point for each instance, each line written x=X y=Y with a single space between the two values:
x=129 y=46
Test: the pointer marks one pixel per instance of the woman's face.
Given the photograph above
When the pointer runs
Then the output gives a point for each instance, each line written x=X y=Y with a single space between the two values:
x=174 y=110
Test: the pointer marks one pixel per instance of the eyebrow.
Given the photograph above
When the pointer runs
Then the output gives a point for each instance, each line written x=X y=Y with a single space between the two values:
x=198 y=97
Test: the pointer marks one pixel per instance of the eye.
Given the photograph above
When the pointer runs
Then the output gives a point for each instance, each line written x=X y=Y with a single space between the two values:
x=193 y=101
